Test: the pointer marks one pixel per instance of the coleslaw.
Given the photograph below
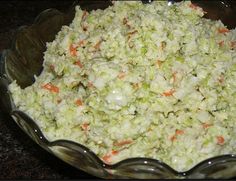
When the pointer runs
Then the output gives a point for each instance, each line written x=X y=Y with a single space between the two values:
x=139 y=80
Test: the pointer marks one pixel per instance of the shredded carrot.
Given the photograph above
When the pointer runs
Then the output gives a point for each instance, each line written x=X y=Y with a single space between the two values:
x=196 y=7
x=221 y=43
x=221 y=79
x=223 y=30
x=136 y=85
x=73 y=50
x=121 y=75
x=51 y=87
x=179 y=132
x=193 y=6
x=108 y=156
x=174 y=76
x=90 y=84
x=158 y=63
x=123 y=142
x=97 y=45
x=85 y=126
x=220 y=140
x=79 y=102
x=81 y=42
x=78 y=63
x=73 y=47
x=114 y=152
x=168 y=93
x=206 y=125
x=233 y=44
x=173 y=138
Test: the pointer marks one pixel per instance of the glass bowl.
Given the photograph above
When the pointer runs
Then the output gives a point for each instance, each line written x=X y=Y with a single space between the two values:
x=24 y=59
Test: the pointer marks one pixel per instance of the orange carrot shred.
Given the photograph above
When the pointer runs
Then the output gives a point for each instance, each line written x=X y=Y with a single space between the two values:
x=206 y=125
x=114 y=152
x=78 y=102
x=73 y=50
x=81 y=43
x=221 y=43
x=90 y=84
x=220 y=140
x=136 y=85
x=174 y=76
x=97 y=45
x=233 y=44
x=193 y=6
x=158 y=63
x=85 y=126
x=78 y=63
x=108 y=156
x=51 y=87
x=173 y=138
x=121 y=75
x=179 y=132
x=196 y=7
x=122 y=143
x=223 y=30
x=221 y=79
x=168 y=93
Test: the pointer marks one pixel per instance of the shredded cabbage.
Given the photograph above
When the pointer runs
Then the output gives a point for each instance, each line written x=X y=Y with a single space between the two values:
x=139 y=80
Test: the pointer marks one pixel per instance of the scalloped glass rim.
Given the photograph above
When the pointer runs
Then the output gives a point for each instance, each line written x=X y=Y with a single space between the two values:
x=147 y=167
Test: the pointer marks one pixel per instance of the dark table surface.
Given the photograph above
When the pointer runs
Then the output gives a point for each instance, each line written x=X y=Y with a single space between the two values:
x=20 y=157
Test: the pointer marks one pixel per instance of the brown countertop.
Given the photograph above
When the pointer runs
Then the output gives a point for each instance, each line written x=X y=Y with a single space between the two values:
x=20 y=157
